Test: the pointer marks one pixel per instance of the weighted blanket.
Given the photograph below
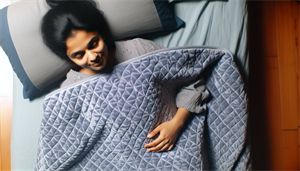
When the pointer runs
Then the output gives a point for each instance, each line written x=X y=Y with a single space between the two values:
x=102 y=123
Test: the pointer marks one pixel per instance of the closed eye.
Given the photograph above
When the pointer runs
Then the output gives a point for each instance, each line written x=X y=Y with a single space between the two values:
x=78 y=55
x=93 y=43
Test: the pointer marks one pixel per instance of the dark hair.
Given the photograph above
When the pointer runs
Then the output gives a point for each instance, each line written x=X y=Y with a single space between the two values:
x=65 y=16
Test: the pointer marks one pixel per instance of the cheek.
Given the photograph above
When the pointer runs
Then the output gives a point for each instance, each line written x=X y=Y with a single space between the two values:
x=105 y=49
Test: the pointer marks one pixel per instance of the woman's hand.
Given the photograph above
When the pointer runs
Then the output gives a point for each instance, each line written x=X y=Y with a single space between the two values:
x=166 y=139
x=168 y=132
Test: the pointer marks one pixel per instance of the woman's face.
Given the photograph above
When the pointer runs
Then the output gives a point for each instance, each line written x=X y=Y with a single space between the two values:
x=87 y=49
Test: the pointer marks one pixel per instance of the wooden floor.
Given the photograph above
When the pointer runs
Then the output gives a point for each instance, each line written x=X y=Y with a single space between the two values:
x=5 y=131
x=274 y=84
x=5 y=110
x=6 y=92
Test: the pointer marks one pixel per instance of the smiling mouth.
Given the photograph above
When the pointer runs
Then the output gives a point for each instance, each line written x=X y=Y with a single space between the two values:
x=98 y=61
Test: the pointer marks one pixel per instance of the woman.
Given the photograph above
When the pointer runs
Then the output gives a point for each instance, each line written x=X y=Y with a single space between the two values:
x=77 y=31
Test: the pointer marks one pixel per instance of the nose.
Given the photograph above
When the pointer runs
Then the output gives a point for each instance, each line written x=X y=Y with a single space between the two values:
x=92 y=56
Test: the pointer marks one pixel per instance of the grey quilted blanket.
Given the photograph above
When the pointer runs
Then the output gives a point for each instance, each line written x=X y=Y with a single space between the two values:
x=102 y=123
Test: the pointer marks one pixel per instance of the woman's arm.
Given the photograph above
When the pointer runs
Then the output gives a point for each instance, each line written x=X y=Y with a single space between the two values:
x=188 y=100
x=168 y=132
x=193 y=96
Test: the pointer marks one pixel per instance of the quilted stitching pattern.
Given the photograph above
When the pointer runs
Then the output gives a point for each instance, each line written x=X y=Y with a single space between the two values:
x=102 y=123
x=227 y=117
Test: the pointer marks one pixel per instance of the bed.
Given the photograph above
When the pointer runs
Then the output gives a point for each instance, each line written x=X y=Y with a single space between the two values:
x=207 y=23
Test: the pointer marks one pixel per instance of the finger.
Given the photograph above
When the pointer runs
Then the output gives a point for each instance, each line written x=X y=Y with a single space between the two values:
x=154 y=132
x=155 y=142
x=164 y=148
x=170 y=148
x=158 y=147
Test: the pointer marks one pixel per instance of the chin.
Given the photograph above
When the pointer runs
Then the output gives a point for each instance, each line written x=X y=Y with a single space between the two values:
x=98 y=69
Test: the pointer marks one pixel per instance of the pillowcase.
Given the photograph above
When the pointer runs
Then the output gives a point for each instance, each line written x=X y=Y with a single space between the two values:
x=37 y=67
x=171 y=1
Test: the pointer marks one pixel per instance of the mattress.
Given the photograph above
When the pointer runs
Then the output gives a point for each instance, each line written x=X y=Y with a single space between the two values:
x=212 y=23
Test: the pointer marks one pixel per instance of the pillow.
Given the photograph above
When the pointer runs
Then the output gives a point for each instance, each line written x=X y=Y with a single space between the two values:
x=128 y=18
x=37 y=67
x=171 y=1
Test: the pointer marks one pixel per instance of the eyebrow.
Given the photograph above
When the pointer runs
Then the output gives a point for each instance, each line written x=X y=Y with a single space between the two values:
x=73 y=55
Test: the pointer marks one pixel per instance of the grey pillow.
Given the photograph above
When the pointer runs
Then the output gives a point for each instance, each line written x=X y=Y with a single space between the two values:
x=37 y=67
